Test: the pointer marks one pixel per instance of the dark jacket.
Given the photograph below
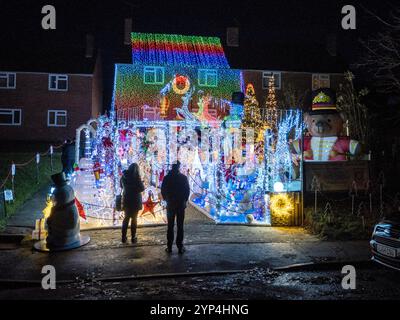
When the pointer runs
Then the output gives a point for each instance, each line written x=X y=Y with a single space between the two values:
x=175 y=190
x=68 y=152
x=132 y=188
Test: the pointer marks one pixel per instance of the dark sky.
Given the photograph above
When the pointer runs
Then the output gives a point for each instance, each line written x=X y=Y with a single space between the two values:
x=262 y=23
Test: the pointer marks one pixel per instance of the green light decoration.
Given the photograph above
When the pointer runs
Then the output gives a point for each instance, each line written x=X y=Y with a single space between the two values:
x=159 y=57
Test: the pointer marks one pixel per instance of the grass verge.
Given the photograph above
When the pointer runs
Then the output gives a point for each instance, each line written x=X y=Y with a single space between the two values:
x=26 y=183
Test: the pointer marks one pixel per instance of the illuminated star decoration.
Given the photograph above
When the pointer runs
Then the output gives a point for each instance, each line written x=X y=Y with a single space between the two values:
x=148 y=206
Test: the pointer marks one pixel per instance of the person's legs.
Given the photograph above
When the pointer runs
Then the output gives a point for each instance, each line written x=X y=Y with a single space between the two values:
x=170 y=232
x=180 y=217
x=125 y=224
x=134 y=226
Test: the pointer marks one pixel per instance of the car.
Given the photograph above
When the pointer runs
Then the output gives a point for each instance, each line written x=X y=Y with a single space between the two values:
x=385 y=241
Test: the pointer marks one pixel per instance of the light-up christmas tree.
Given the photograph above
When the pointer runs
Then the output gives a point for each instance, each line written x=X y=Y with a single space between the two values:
x=252 y=116
x=271 y=105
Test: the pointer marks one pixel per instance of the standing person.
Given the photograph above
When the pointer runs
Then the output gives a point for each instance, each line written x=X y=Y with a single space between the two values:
x=132 y=187
x=175 y=191
x=68 y=156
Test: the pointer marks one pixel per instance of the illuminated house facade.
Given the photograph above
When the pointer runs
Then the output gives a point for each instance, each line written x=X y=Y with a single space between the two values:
x=164 y=68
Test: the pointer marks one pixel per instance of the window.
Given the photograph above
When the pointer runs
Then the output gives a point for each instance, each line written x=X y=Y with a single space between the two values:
x=153 y=75
x=266 y=75
x=10 y=117
x=320 y=81
x=58 y=82
x=56 y=118
x=7 y=80
x=208 y=78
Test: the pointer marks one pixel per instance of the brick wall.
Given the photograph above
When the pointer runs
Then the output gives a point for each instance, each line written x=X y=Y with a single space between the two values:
x=97 y=89
x=34 y=99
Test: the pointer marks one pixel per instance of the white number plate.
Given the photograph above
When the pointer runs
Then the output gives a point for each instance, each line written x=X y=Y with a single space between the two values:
x=385 y=250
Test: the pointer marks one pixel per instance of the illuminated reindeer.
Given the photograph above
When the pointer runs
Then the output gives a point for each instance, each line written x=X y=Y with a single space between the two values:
x=184 y=110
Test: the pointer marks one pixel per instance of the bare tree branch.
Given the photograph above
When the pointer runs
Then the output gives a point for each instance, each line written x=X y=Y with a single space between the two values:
x=381 y=58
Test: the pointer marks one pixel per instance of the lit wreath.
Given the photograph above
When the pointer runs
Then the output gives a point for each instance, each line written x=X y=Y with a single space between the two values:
x=180 y=81
x=281 y=203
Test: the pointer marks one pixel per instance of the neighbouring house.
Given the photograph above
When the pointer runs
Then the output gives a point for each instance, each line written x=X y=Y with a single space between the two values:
x=297 y=69
x=164 y=68
x=45 y=95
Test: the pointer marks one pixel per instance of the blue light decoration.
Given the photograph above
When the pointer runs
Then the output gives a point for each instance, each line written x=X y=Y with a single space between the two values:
x=227 y=192
x=278 y=156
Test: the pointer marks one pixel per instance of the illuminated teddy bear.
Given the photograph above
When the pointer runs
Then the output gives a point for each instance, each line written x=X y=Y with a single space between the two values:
x=325 y=125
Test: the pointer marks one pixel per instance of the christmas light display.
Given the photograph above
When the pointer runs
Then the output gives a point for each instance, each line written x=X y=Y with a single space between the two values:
x=271 y=105
x=282 y=206
x=171 y=116
x=157 y=58
x=180 y=84
x=230 y=192
x=171 y=49
x=131 y=92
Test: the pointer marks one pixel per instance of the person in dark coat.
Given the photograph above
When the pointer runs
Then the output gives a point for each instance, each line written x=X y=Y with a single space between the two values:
x=175 y=191
x=132 y=187
x=68 y=156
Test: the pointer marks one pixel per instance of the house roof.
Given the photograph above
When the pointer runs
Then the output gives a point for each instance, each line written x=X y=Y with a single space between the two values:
x=50 y=59
x=172 y=49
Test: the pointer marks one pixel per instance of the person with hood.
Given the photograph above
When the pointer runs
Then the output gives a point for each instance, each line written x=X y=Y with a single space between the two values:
x=175 y=191
x=68 y=156
x=132 y=187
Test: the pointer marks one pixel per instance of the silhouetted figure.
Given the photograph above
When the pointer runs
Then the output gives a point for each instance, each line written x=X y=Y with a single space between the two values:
x=68 y=156
x=132 y=186
x=175 y=191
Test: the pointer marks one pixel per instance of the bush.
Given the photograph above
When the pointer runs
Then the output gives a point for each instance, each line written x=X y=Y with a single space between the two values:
x=339 y=225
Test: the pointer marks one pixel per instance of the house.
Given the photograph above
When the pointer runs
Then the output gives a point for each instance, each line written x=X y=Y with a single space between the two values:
x=165 y=68
x=45 y=95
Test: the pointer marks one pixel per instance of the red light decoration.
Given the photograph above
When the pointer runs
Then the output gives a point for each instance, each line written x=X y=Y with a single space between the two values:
x=180 y=84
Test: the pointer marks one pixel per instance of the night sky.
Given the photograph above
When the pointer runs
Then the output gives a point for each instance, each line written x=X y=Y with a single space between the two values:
x=264 y=22
x=261 y=23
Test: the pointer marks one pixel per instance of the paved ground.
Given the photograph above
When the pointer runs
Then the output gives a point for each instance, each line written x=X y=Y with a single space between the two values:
x=210 y=247
x=105 y=268
x=372 y=282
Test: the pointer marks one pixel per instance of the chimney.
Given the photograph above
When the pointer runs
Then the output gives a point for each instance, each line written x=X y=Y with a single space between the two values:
x=232 y=37
x=89 y=46
x=331 y=44
x=127 y=31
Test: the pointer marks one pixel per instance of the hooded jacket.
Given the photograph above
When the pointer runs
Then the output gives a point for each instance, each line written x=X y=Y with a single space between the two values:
x=132 y=189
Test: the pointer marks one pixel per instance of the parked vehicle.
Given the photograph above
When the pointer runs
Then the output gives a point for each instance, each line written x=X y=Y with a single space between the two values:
x=385 y=242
